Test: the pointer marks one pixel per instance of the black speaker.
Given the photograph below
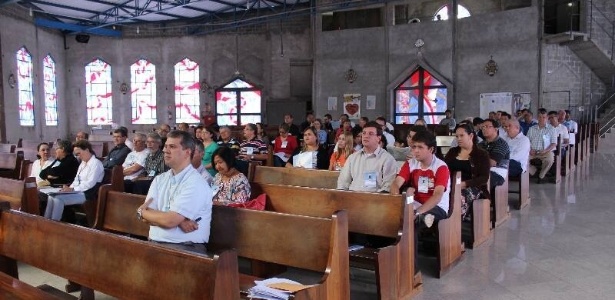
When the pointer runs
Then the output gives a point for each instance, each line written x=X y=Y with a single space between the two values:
x=82 y=38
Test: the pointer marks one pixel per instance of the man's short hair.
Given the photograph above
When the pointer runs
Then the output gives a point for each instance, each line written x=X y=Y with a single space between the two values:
x=493 y=122
x=199 y=146
x=505 y=114
x=552 y=113
x=252 y=127
x=567 y=111
x=417 y=128
x=373 y=124
x=448 y=111
x=155 y=136
x=186 y=140
x=85 y=134
x=477 y=121
x=366 y=119
x=426 y=138
x=224 y=128
x=141 y=136
x=542 y=111
x=328 y=116
x=66 y=145
x=381 y=119
x=514 y=122
x=123 y=131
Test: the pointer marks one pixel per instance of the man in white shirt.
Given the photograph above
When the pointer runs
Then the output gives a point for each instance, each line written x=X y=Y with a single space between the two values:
x=560 y=130
x=519 y=146
x=390 y=139
x=135 y=161
x=543 y=141
x=178 y=203
x=197 y=162
x=572 y=126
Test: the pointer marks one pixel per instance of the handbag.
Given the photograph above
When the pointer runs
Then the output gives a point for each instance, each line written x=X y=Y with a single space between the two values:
x=257 y=203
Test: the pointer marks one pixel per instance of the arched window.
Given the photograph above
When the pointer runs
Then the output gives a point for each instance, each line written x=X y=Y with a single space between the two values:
x=51 y=94
x=238 y=103
x=24 y=84
x=143 y=92
x=420 y=95
x=187 y=88
x=98 y=92
x=444 y=11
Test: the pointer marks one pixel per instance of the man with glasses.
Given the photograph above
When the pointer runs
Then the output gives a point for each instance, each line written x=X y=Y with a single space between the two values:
x=226 y=140
x=118 y=154
x=372 y=169
x=154 y=165
x=135 y=161
x=390 y=139
x=499 y=152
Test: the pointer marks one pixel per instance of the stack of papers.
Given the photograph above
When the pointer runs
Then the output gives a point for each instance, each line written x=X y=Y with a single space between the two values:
x=274 y=289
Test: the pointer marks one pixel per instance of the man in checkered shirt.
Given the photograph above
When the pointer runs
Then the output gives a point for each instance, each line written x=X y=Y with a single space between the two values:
x=543 y=140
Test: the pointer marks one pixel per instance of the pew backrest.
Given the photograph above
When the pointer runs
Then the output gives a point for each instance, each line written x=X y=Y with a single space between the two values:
x=117 y=212
x=296 y=176
x=12 y=191
x=114 y=264
x=10 y=164
x=7 y=148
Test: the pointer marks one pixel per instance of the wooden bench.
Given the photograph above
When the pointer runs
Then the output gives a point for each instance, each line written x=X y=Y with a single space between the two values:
x=499 y=200
x=10 y=165
x=7 y=148
x=320 y=247
x=108 y=263
x=12 y=288
x=523 y=188
x=296 y=176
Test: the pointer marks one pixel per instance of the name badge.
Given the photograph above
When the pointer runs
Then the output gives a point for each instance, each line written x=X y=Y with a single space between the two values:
x=546 y=139
x=369 y=179
x=249 y=150
x=284 y=144
x=152 y=173
x=423 y=184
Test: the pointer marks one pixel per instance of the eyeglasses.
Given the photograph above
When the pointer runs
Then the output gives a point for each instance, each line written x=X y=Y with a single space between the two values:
x=488 y=126
x=365 y=133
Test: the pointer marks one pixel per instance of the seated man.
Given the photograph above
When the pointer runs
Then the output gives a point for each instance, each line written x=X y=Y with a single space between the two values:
x=252 y=148
x=178 y=203
x=371 y=169
x=499 y=152
x=82 y=135
x=226 y=140
x=429 y=179
x=390 y=139
x=197 y=162
x=543 y=141
x=519 y=146
x=449 y=120
x=118 y=154
x=154 y=165
x=560 y=130
x=135 y=161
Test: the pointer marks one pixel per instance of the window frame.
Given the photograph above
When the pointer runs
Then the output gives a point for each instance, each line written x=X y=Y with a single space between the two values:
x=51 y=107
x=421 y=88
x=135 y=87
x=238 y=91
x=25 y=86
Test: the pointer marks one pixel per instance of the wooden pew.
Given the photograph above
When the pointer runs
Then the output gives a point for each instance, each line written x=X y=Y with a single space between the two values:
x=28 y=153
x=7 y=148
x=91 y=257
x=12 y=288
x=523 y=188
x=29 y=144
x=321 y=246
x=12 y=191
x=10 y=165
x=557 y=160
x=296 y=176
x=499 y=198
x=368 y=213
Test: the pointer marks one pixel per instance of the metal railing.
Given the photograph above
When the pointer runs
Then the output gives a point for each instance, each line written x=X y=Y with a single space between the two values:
x=607 y=123
x=598 y=18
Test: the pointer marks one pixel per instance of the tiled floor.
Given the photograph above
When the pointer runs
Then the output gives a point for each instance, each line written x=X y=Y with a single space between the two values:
x=560 y=247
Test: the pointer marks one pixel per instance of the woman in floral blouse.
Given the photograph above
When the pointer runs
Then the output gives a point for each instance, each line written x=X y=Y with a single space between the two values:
x=230 y=185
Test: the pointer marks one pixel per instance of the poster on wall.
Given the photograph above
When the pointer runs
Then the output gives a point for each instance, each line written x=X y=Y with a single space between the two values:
x=494 y=102
x=332 y=103
x=521 y=101
x=370 y=102
x=352 y=105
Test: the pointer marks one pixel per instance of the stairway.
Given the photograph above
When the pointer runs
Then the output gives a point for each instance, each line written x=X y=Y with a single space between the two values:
x=606 y=145
x=589 y=52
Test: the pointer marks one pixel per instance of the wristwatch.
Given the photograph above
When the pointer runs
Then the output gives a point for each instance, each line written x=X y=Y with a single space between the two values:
x=251 y=156
x=140 y=214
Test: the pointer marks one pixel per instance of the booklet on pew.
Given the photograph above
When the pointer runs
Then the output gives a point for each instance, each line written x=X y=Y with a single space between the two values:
x=274 y=289
x=52 y=191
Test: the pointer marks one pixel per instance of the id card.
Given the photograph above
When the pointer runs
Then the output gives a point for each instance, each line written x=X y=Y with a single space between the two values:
x=152 y=173
x=369 y=179
x=284 y=144
x=249 y=150
x=423 y=184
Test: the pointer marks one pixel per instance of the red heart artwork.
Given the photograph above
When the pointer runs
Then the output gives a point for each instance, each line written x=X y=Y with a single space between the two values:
x=352 y=108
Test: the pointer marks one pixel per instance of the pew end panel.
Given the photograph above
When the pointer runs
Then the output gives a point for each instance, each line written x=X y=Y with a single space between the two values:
x=481 y=222
x=499 y=199
x=13 y=288
x=117 y=213
x=449 y=231
x=523 y=189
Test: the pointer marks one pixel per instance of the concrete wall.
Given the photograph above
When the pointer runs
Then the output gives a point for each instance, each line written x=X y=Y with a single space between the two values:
x=14 y=34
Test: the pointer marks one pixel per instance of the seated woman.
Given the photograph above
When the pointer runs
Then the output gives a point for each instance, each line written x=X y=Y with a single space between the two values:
x=229 y=185
x=261 y=134
x=42 y=162
x=64 y=168
x=312 y=155
x=322 y=134
x=343 y=149
x=473 y=163
x=283 y=146
x=85 y=185
x=207 y=137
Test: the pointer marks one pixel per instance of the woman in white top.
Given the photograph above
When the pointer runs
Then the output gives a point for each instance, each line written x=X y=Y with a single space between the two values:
x=85 y=185
x=42 y=162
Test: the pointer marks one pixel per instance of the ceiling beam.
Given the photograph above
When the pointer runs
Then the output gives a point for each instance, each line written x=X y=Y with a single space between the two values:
x=76 y=28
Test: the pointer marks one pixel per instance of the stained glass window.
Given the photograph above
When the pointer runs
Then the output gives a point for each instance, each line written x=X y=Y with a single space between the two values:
x=143 y=92
x=24 y=84
x=420 y=96
x=51 y=94
x=98 y=92
x=443 y=12
x=187 y=88
x=238 y=103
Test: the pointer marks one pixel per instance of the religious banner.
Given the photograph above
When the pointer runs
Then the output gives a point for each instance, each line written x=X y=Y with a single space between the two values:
x=352 y=105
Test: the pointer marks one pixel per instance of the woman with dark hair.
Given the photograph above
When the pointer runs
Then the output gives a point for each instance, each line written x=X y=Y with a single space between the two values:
x=85 y=185
x=207 y=136
x=229 y=185
x=473 y=163
x=64 y=168
x=283 y=146
x=312 y=155
x=41 y=163
x=261 y=134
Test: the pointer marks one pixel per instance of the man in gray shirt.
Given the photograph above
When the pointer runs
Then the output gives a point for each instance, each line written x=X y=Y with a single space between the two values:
x=371 y=169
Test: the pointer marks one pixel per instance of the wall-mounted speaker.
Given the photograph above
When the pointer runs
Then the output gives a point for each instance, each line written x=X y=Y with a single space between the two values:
x=82 y=38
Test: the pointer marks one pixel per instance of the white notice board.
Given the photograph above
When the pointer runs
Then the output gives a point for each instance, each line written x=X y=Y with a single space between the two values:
x=494 y=102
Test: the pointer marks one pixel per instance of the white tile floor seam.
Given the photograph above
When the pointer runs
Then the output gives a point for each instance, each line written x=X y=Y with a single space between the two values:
x=560 y=247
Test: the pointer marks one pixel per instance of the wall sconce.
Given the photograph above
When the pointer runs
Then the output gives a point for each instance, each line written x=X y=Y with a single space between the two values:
x=12 y=80
x=124 y=88
x=351 y=75
x=491 y=67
